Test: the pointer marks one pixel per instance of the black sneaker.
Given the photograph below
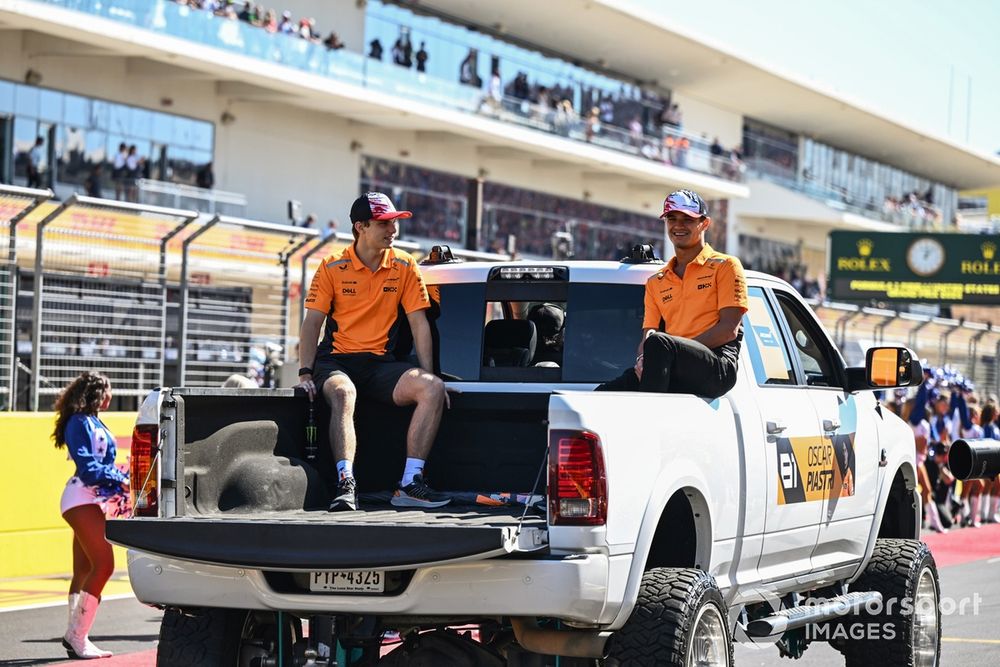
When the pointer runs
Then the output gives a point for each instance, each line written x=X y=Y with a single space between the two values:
x=418 y=494
x=347 y=498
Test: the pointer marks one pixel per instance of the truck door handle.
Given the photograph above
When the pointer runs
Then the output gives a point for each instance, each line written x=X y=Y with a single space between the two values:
x=831 y=425
x=776 y=427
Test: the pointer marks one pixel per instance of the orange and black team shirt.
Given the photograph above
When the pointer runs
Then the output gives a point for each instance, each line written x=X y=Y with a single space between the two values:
x=690 y=306
x=364 y=308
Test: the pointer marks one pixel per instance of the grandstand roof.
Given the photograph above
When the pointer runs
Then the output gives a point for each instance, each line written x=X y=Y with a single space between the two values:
x=714 y=72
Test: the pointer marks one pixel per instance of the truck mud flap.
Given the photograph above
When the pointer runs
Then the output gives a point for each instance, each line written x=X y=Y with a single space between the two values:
x=283 y=545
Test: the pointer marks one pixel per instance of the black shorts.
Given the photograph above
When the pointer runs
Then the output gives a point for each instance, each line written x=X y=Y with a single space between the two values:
x=374 y=375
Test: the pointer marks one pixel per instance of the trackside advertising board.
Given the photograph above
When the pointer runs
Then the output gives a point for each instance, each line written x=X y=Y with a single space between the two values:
x=914 y=267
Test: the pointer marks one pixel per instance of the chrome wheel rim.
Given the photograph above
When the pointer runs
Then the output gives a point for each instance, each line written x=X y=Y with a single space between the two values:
x=926 y=631
x=709 y=645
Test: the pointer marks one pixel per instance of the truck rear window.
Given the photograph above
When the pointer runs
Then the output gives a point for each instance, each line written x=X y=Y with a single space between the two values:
x=480 y=339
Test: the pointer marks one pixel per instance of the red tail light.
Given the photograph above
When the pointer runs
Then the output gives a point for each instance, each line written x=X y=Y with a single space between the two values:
x=144 y=477
x=578 y=486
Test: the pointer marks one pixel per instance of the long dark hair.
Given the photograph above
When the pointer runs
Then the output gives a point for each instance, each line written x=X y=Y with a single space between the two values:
x=84 y=394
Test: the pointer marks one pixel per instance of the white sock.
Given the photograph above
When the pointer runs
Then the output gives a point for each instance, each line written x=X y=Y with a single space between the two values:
x=345 y=469
x=413 y=467
x=985 y=505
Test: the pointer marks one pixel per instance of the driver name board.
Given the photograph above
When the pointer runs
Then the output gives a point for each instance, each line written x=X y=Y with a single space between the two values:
x=914 y=267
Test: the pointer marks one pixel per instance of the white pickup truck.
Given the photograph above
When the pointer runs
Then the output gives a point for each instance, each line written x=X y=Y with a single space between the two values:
x=628 y=528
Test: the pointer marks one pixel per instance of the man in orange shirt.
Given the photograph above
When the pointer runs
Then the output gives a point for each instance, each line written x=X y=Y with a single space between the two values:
x=359 y=295
x=693 y=312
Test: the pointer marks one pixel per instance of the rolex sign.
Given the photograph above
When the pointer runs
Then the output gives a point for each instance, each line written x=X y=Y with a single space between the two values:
x=914 y=267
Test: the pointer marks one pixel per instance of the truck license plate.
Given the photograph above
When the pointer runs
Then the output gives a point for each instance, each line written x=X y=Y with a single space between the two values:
x=348 y=581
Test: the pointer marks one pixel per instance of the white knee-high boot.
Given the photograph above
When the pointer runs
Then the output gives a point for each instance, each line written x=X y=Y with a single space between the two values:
x=77 y=644
x=934 y=518
x=71 y=602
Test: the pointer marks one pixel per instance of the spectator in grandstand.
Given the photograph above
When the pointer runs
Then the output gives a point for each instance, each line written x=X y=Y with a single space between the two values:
x=330 y=229
x=118 y=170
x=468 y=73
x=307 y=30
x=402 y=50
x=286 y=25
x=375 y=49
x=310 y=221
x=717 y=152
x=422 y=57
x=699 y=349
x=249 y=14
x=635 y=131
x=592 y=124
x=92 y=186
x=132 y=174
x=205 y=178
x=673 y=118
x=96 y=487
x=35 y=164
x=358 y=294
x=270 y=22
x=333 y=41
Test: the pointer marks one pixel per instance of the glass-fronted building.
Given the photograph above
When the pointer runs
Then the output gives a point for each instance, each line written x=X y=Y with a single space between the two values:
x=80 y=134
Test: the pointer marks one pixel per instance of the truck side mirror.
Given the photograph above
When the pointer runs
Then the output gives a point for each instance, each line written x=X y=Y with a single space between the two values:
x=886 y=368
x=889 y=367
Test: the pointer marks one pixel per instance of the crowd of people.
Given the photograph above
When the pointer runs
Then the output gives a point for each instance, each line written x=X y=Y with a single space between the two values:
x=947 y=407
x=913 y=210
x=267 y=19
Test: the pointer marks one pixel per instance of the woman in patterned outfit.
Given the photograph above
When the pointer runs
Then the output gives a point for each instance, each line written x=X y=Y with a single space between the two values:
x=97 y=483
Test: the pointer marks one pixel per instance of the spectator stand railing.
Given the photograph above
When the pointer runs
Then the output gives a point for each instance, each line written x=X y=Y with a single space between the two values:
x=234 y=294
x=15 y=204
x=311 y=259
x=972 y=348
x=178 y=195
x=100 y=293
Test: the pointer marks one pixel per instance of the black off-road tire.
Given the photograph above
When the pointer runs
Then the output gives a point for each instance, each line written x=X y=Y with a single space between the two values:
x=661 y=626
x=208 y=637
x=893 y=571
x=195 y=638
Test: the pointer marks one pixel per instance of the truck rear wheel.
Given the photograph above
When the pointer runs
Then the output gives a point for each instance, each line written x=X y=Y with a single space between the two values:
x=223 y=637
x=680 y=619
x=908 y=628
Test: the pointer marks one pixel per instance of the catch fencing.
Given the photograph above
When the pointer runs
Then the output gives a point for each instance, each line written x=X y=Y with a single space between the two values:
x=100 y=294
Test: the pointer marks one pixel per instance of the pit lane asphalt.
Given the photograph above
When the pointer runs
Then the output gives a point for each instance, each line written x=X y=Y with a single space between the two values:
x=32 y=636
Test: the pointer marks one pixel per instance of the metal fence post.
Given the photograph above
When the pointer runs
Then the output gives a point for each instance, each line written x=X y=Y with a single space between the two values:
x=38 y=197
x=182 y=345
x=36 y=302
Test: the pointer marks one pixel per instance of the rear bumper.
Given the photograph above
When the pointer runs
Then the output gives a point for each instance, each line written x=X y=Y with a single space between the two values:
x=573 y=588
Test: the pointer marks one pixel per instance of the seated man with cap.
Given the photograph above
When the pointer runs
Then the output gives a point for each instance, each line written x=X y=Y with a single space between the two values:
x=692 y=325
x=358 y=294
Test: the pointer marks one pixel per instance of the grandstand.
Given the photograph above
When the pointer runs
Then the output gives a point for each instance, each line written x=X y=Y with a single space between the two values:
x=509 y=136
